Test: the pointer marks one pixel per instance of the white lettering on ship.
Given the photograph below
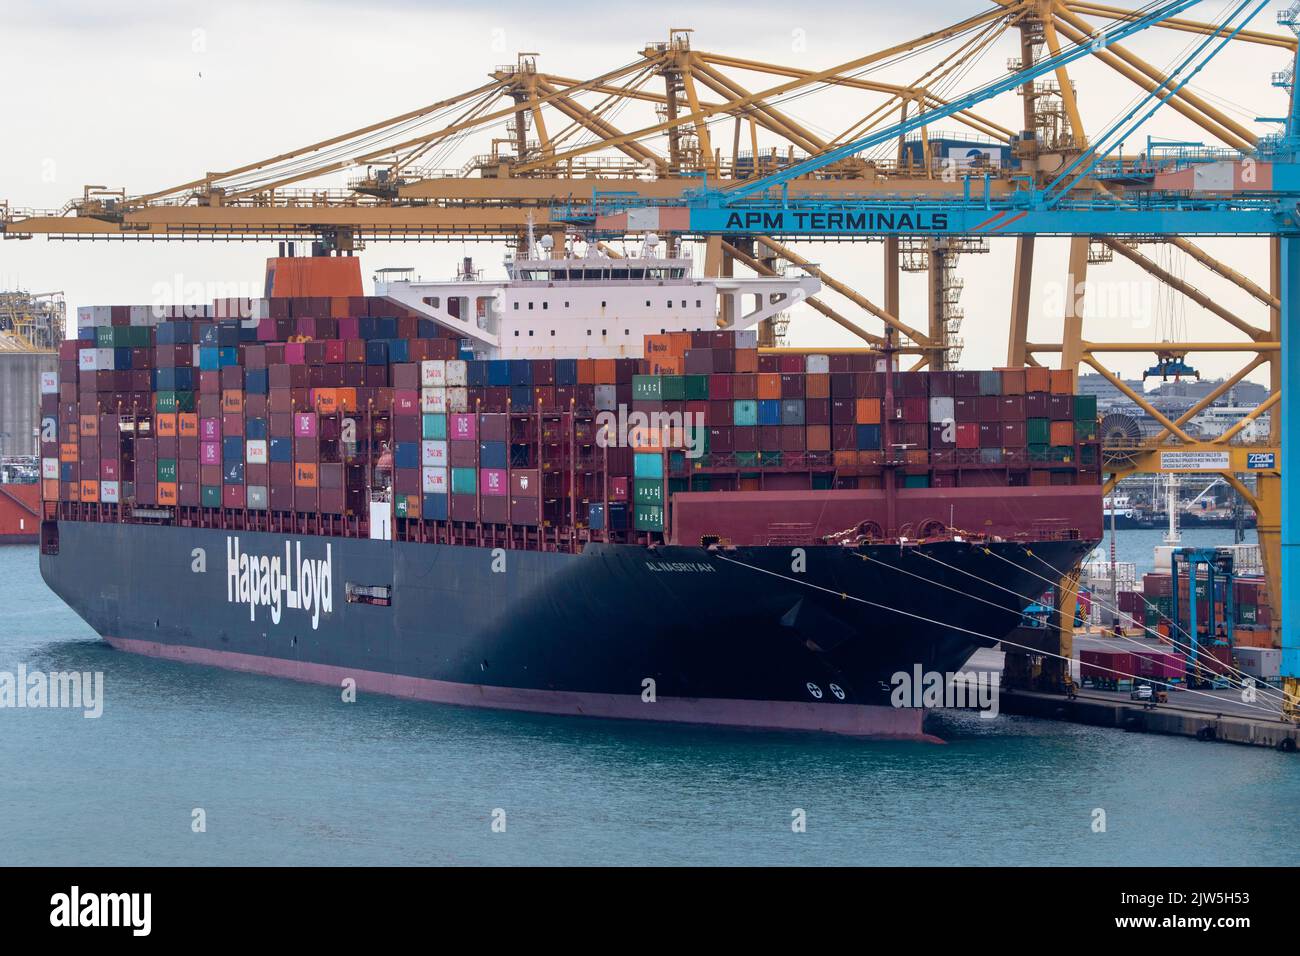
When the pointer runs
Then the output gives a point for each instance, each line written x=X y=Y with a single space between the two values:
x=298 y=583
x=679 y=566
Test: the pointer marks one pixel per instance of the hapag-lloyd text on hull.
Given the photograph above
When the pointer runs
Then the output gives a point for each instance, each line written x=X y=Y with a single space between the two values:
x=297 y=583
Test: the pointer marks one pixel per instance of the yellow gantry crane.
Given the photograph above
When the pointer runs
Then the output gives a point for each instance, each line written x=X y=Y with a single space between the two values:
x=516 y=150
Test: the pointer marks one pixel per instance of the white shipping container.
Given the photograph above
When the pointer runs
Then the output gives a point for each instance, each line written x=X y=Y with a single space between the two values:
x=1262 y=662
x=607 y=398
x=942 y=410
x=89 y=316
x=434 y=481
x=433 y=401
x=255 y=452
x=257 y=497
x=108 y=492
x=433 y=373
x=433 y=453
x=50 y=468
x=49 y=383
x=746 y=338
x=458 y=399
x=818 y=364
x=457 y=373
x=141 y=315
x=95 y=360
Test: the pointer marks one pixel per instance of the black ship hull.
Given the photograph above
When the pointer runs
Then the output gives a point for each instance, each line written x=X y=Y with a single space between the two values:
x=753 y=636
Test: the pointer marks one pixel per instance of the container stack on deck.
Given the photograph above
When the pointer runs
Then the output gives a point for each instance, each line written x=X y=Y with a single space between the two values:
x=292 y=412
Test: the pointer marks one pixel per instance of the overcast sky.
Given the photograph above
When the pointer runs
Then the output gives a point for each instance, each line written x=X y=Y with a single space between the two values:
x=150 y=94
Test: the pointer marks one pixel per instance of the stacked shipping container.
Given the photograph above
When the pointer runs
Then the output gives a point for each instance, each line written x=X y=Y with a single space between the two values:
x=304 y=405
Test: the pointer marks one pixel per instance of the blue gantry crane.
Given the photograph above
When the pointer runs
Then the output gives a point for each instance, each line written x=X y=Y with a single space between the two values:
x=1260 y=196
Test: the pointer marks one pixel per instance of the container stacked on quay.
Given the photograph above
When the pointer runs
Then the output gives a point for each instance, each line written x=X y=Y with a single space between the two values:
x=570 y=491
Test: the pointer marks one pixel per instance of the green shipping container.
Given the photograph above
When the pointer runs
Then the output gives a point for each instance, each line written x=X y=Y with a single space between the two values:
x=1085 y=431
x=464 y=481
x=1085 y=408
x=211 y=496
x=697 y=387
x=1038 y=431
x=744 y=412
x=648 y=518
x=1062 y=453
x=166 y=469
x=672 y=388
x=647 y=388
x=169 y=402
x=746 y=459
x=647 y=491
x=434 y=428
x=1246 y=614
x=769 y=459
x=916 y=481
x=401 y=509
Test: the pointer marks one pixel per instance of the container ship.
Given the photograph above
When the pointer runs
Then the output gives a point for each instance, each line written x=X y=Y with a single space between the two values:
x=579 y=489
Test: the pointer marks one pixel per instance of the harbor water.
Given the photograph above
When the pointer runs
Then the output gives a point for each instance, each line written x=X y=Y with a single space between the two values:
x=285 y=773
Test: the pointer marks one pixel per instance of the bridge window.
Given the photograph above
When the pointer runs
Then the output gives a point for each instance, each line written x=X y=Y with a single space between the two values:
x=516 y=306
x=530 y=306
x=545 y=306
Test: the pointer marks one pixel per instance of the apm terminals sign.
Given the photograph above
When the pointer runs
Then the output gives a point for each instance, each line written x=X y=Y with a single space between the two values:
x=870 y=222
x=298 y=583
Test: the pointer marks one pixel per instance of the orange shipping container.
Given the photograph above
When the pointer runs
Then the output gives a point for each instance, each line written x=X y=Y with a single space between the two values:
x=326 y=399
x=1062 y=433
x=315 y=276
x=846 y=460
x=817 y=386
x=747 y=361
x=187 y=424
x=658 y=345
x=89 y=426
x=818 y=438
x=347 y=399
x=1013 y=381
x=166 y=492
x=749 y=484
x=89 y=490
x=1038 y=380
x=50 y=489
x=606 y=372
x=166 y=425
x=69 y=452
x=769 y=385
x=681 y=342
x=304 y=475
x=667 y=365
x=1062 y=381
x=232 y=402
x=587 y=372
x=868 y=411
x=1254 y=637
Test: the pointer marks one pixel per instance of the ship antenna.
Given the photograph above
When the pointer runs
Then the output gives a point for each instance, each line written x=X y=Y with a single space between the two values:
x=532 y=247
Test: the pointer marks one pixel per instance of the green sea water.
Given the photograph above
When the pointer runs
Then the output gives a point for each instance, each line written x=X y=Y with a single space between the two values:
x=286 y=773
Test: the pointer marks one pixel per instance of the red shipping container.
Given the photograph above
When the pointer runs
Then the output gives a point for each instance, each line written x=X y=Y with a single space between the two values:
x=968 y=435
